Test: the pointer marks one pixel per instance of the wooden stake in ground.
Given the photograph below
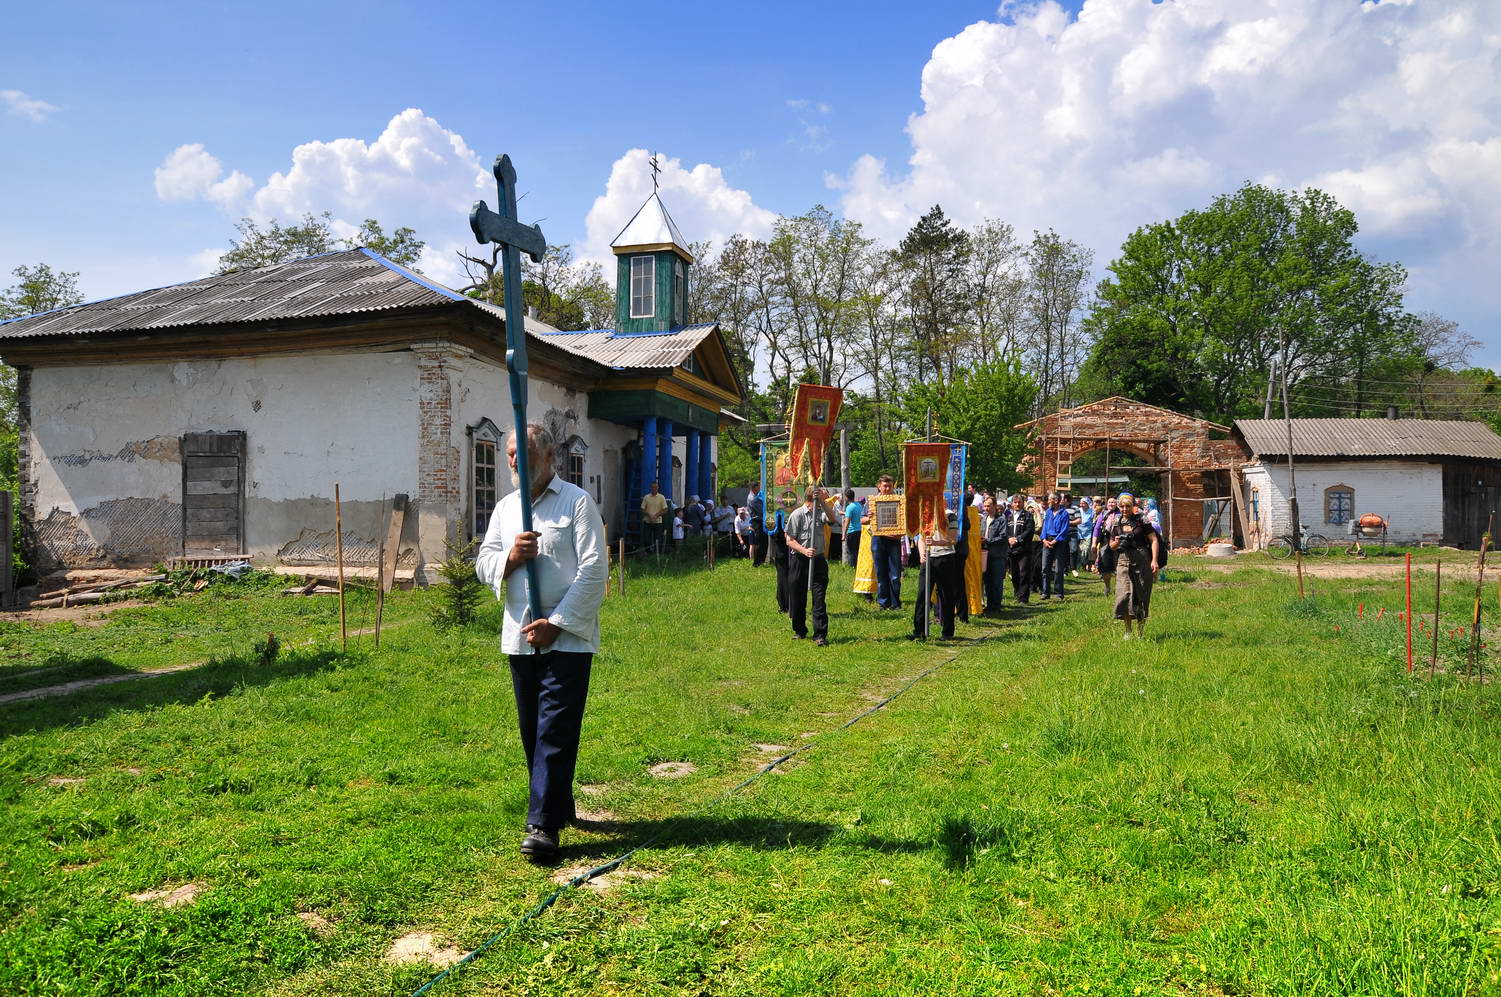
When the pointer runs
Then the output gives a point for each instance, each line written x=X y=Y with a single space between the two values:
x=1408 y=616
x=1474 y=655
x=380 y=568
x=621 y=590
x=1438 y=595
x=339 y=546
x=1299 y=558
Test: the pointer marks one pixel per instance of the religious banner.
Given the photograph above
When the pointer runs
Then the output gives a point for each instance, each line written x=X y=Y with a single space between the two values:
x=815 y=409
x=776 y=483
x=953 y=484
x=926 y=466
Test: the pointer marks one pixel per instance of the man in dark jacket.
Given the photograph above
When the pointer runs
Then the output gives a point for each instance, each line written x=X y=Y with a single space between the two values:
x=993 y=543
x=1018 y=529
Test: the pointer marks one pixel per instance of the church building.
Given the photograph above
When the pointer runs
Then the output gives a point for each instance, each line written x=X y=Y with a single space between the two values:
x=215 y=417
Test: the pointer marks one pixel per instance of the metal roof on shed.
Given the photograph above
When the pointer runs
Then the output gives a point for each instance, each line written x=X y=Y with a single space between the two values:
x=1371 y=438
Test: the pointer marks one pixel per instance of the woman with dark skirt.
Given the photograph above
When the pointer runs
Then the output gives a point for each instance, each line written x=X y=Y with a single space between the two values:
x=1138 y=555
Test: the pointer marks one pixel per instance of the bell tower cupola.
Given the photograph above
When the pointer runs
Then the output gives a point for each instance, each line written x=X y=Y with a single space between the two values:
x=651 y=268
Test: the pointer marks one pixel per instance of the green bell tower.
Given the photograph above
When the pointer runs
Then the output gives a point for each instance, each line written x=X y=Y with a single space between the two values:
x=651 y=272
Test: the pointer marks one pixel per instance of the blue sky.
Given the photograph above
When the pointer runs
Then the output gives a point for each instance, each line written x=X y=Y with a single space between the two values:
x=1091 y=123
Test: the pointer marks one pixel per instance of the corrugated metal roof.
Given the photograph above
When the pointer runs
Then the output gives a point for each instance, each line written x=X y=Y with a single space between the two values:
x=1371 y=438
x=640 y=349
x=346 y=282
x=342 y=283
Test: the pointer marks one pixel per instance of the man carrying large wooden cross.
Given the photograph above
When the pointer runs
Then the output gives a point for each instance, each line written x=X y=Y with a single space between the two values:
x=545 y=546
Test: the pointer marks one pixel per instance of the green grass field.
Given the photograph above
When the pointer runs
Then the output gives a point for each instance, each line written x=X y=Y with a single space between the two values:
x=1254 y=800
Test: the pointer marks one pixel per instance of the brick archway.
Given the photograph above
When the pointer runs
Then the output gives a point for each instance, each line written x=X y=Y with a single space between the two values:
x=1181 y=448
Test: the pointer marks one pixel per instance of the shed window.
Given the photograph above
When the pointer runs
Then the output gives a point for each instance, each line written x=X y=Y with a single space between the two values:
x=484 y=485
x=1339 y=504
x=643 y=286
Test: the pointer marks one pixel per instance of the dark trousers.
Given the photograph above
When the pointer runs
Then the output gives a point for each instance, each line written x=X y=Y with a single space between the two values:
x=943 y=577
x=758 y=546
x=653 y=536
x=852 y=549
x=1054 y=567
x=1036 y=564
x=995 y=575
x=1019 y=564
x=779 y=561
x=550 y=691
x=799 y=590
x=887 y=554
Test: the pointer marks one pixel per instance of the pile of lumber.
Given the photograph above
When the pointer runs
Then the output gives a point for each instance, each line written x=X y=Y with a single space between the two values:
x=84 y=592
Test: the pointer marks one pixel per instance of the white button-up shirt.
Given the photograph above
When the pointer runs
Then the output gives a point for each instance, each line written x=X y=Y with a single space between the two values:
x=571 y=566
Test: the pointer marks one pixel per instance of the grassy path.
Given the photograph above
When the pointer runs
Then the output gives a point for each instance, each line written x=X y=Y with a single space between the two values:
x=1250 y=802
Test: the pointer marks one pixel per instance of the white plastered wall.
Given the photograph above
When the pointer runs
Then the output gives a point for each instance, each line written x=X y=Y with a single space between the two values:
x=103 y=435
x=1408 y=494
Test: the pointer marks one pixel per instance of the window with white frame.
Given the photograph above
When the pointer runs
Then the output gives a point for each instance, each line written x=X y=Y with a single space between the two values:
x=643 y=286
x=1339 y=504
x=679 y=292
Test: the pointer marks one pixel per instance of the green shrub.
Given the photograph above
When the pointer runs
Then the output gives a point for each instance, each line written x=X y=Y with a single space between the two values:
x=458 y=600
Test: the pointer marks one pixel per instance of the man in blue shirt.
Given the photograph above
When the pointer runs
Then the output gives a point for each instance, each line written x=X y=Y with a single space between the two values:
x=1055 y=530
x=853 y=513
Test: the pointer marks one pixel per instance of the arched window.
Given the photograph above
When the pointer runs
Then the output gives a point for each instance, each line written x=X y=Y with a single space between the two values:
x=486 y=444
x=571 y=459
x=1339 y=504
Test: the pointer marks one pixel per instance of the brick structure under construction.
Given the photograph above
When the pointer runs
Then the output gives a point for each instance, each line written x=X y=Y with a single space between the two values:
x=1194 y=466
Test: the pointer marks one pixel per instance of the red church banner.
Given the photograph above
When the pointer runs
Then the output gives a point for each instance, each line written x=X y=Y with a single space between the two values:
x=927 y=466
x=814 y=412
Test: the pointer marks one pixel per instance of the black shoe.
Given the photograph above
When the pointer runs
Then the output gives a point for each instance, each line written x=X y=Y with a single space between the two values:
x=798 y=636
x=820 y=641
x=540 y=845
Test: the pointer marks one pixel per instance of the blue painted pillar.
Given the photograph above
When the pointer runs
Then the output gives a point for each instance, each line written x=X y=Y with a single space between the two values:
x=690 y=465
x=648 y=452
x=664 y=455
x=705 y=464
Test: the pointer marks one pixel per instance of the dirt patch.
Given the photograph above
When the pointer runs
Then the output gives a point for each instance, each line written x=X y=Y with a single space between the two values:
x=170 y=897
x=772 y=749
x=598 y=818
x=63 y=780
x=604 y=881
x=421 y=946
x=808 y=735
x=593 y=789
x=90 y=614
x=319 y=925
x=672 y=770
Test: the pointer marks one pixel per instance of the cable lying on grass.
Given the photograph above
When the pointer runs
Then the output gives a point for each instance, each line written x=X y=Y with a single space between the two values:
x=620 y=859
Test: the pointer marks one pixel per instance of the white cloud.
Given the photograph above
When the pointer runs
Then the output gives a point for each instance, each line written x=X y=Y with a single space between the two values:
x=22 y=105
x=1131 y=112
x=701 y=201
x=415 y=173
x=190 y=173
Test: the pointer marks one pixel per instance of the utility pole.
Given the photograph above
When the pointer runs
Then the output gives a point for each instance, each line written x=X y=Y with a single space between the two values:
x=1292 y=478
x=1271 y=379
x=844 y=459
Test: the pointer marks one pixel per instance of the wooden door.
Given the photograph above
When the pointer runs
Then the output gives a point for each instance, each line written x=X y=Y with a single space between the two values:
x=213 y=489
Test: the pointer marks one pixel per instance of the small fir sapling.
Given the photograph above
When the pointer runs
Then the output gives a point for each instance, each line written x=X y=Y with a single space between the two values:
x=459 y=600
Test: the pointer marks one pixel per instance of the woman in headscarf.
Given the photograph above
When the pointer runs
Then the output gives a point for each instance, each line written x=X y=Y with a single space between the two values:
x=1104 y=556
x=1138 y=552
x=1152 y=515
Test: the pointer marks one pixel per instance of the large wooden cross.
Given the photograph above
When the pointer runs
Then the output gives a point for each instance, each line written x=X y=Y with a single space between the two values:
x=514 y=238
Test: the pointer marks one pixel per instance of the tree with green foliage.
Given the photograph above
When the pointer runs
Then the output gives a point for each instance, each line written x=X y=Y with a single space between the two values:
x=1198 y=308
x=37 y=289
x=980 y=405
x=263 y=246
x=934 y=257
